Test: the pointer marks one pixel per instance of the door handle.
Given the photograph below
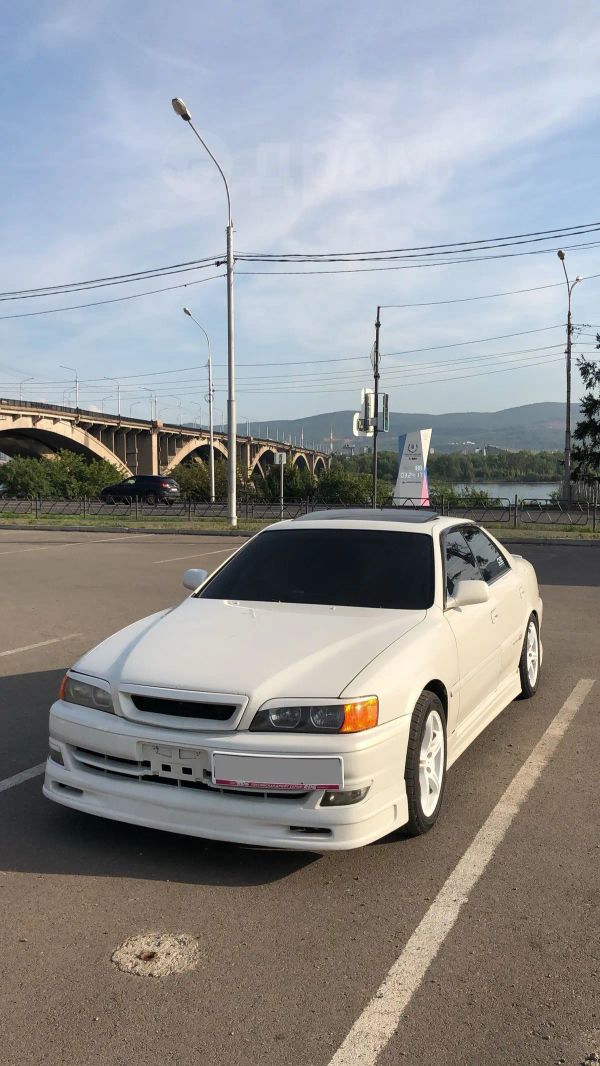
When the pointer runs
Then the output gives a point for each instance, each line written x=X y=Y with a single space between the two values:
x=494 y=615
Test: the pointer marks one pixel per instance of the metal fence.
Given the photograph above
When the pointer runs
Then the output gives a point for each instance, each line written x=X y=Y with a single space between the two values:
x=516 y=513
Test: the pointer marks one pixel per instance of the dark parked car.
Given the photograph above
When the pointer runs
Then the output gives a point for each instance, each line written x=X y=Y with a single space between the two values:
x=150 y=488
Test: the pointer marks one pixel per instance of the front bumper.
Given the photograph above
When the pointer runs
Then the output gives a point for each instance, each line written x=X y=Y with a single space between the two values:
x=112 y=784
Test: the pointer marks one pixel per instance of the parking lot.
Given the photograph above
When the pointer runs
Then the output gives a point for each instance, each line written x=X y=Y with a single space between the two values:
x=296 y=947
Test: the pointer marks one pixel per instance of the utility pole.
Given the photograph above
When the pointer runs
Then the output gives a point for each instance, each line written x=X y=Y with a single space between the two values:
x=567 y=459
x=376 y=402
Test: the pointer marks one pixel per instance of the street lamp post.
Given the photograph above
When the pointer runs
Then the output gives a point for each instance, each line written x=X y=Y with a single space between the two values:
x=567 y=471
x=21 y=383
x=63 y=367
x=210 y=398
x=180 y=109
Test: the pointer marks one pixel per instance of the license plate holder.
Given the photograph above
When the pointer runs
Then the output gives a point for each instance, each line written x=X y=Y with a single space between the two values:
x=182 y=764
x=278 y=773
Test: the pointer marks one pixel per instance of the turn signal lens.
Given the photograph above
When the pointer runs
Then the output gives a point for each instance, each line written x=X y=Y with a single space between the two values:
x=363 y=714
x=63 y=685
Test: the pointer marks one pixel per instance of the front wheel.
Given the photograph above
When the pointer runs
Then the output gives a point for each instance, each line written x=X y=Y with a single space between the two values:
x=425 y=773
x=529 y=663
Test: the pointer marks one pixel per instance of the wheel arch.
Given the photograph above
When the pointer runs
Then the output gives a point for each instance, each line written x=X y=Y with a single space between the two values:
x=439 y=689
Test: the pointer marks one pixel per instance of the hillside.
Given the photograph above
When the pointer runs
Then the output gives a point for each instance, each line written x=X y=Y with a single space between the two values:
x=534 y=427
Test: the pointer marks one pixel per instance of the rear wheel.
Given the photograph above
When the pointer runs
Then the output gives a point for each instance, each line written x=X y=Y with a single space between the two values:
x=529 y=664
x=425 y=773
x=151 y=499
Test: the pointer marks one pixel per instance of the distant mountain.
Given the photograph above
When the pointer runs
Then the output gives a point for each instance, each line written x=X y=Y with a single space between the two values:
x=534 y=427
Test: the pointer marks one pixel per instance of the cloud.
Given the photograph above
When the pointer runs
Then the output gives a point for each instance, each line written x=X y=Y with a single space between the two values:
x=446 y=136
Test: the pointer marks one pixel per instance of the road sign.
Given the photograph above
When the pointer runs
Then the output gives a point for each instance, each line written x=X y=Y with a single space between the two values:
x=367 y=398
x=361 y=427
x=280 y=458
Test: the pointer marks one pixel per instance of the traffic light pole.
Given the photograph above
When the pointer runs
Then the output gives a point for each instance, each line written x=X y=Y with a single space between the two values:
x=375 y=404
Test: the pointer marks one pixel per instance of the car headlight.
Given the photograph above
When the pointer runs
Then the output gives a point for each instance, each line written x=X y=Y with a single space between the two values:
x=85 y=695
x=318 y=718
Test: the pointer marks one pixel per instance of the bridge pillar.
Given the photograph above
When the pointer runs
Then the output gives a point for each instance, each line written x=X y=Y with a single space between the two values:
x=147 y=448
x=246 y=458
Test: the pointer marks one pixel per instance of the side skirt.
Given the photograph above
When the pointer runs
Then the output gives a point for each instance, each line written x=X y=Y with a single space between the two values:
x=481 y=718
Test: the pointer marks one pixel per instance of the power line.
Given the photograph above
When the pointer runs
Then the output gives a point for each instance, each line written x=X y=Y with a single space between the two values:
x=547 y=234
x=114 y=300
x=417 y=251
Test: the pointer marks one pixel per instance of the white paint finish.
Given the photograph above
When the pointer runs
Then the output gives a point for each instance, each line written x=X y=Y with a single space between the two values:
x=276 y=651
x=25 y=775
x=196 y=555
x=376 y=1025
x=39 y=644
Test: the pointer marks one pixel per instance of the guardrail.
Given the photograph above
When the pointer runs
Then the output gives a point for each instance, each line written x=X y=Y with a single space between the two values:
x=516 y=513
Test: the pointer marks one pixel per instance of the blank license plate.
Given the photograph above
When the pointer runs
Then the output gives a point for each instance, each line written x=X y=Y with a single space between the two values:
x=278 y=773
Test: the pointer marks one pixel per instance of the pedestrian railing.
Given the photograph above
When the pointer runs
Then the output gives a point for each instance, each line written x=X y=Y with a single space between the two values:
x=516 y=513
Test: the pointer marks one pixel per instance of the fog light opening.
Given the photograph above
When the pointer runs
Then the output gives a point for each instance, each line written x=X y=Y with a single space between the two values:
x=342 y=799
x=55 y=755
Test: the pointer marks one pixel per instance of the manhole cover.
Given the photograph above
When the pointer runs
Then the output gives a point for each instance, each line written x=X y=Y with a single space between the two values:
x=158 y=954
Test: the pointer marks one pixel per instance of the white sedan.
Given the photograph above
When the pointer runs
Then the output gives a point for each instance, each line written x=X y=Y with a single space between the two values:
x=311 y=693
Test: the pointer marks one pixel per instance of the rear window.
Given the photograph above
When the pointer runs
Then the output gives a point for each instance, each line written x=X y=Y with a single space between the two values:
x=342 y=567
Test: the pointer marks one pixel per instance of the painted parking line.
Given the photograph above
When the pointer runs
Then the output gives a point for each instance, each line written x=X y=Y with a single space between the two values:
x=25 y=775
x=375 y=1027
x=39 y=644
x=77 y=543
x=196 y=555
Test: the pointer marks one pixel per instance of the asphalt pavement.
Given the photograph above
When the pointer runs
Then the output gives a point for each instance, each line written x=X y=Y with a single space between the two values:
x=296 y=949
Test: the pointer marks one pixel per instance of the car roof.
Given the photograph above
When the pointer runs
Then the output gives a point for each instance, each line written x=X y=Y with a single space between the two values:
x=418 y=515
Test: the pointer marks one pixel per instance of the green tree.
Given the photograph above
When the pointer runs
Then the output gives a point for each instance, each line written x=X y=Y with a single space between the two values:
x=586 y=453
x=28 y=477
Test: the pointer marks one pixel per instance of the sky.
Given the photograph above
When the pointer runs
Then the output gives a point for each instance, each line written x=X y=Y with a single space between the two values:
x=341 y=125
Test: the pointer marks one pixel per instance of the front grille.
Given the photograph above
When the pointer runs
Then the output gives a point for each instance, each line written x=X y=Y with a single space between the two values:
x=130 y=769
x=215 y=712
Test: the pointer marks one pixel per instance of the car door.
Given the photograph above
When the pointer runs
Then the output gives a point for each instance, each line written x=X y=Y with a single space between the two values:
x=473 y=628
x=506 y=597
x=125 y=489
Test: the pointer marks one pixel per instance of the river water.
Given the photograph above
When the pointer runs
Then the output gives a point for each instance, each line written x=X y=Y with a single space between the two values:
x=525 y=490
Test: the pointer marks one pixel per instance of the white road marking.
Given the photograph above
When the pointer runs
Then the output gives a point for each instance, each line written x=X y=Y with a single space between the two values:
x=25 y=775
x=40 y=644
x=375 y=1027
x=76 y=543
x=196 y=555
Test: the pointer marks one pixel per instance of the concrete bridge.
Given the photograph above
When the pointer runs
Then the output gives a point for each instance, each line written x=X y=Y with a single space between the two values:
x=134 y=445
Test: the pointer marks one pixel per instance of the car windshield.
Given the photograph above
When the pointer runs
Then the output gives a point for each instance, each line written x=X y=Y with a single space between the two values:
x=342 y=567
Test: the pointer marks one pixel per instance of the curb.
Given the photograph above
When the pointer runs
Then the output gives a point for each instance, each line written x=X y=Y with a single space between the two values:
x=128 y=529
x=561 y=542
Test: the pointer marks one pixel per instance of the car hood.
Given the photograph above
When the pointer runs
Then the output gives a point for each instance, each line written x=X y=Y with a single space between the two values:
x=261 y=650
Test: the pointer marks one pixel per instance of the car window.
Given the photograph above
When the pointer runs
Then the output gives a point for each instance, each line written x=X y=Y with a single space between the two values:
x=342 y=567
x=129 y=481
x=460 y=564
x=489 y=559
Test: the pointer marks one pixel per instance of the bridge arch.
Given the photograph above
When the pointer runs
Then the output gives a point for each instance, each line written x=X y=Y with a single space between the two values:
x=39 y=437
x=300 y=461
x=268 y=450
x=320 y=465
x=192 y=446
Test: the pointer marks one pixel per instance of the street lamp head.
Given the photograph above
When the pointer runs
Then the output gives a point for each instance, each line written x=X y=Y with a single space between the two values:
x=187 y=311
x=180 y=109
x=578 y=278
x=560 y=254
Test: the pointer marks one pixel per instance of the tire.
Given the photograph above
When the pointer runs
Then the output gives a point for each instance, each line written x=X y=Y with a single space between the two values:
x=425 y=788
x=110 y=500
x=151 y=499
x=529 y=663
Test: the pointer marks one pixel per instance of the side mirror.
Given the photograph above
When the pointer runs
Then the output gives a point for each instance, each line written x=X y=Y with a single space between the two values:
x=467 y=593
x=192 y=579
